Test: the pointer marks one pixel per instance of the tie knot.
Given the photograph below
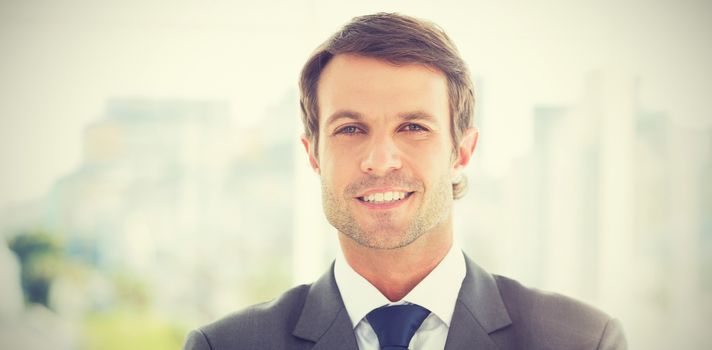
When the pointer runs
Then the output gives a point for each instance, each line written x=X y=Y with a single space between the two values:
x=395 y=325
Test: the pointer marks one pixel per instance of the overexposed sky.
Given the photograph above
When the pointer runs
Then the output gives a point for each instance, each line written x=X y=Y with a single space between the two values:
x=61 y=60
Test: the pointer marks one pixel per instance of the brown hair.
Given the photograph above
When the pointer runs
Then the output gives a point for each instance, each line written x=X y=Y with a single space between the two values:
x=397 y=39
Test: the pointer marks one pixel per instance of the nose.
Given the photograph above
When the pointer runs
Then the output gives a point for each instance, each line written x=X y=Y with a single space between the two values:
x=381 y=157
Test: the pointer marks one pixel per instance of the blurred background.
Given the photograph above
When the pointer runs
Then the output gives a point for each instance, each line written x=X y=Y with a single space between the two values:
x=152 y=179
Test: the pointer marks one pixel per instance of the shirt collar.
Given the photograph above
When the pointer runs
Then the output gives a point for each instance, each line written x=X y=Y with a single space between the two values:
x=437 y=292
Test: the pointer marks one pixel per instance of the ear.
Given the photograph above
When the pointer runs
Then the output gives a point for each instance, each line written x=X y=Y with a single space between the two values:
x=309 y=148
x=464 y=151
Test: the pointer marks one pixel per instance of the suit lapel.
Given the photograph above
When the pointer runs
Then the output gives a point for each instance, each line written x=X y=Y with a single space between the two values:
x=324 y=319
x=479 y=311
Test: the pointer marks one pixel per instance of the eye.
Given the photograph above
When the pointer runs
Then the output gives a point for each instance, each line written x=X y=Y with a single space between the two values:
x=349 y=130
x=413 y=128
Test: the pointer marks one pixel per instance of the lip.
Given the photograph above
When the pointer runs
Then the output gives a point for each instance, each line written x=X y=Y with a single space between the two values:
x=384 y=205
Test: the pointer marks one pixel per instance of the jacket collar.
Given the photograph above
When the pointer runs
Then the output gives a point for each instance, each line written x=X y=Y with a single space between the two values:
x=479 y=312
x=324 y=319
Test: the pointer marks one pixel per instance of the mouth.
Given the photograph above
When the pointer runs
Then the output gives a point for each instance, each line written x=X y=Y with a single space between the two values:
x=385 y=199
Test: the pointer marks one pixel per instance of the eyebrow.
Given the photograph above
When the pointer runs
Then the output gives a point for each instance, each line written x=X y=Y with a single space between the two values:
x=406 y=116
x=416 y=115
x=343 y=114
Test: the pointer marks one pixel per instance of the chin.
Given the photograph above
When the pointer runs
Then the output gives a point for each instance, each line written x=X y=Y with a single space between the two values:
x=384 y=240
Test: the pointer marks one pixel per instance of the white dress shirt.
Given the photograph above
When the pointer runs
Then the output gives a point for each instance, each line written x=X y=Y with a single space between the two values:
x=437 y=293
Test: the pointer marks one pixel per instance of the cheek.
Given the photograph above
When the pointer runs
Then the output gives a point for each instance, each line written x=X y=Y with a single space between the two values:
x=335 y=167
x=434 y=172
x=433 y=158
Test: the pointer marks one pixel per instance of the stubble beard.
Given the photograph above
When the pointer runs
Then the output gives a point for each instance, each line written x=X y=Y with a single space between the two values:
x=382 y=232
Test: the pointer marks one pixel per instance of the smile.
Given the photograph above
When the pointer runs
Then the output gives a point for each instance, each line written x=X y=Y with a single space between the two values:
x=384 y=197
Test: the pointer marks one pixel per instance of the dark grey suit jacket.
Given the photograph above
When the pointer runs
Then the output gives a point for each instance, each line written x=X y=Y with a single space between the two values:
x=492 y=312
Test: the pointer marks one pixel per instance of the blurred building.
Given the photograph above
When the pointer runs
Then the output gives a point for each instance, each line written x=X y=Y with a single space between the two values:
x=171 y=195
x=612 y=206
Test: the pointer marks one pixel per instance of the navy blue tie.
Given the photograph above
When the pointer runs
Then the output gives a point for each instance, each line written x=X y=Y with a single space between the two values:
x=395 y=325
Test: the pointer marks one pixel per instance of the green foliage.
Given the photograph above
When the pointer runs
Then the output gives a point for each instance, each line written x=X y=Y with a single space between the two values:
x=128 y=323
x=130 y=329
x=40 y=259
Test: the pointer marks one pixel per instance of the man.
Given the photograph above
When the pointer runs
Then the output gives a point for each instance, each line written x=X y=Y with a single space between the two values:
x=387 y=106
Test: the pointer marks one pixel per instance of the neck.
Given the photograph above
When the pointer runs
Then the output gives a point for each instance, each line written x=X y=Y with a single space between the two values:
x=395 y=272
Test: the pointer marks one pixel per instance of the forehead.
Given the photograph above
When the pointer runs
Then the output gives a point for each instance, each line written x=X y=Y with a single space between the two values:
x=377 y=88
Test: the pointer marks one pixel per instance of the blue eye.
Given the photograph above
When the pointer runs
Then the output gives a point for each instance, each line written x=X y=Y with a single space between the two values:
x=349 y=130
x=413 y=128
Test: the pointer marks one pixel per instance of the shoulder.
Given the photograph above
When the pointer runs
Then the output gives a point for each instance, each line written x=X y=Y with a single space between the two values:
x=524 y=303
x=258 y=326
x=556 y=321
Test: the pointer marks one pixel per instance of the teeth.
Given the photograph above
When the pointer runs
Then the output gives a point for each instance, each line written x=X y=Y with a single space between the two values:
x=384 y=197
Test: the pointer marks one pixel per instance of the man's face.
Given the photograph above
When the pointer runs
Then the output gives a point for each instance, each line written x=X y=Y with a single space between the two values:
x=385 y=153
